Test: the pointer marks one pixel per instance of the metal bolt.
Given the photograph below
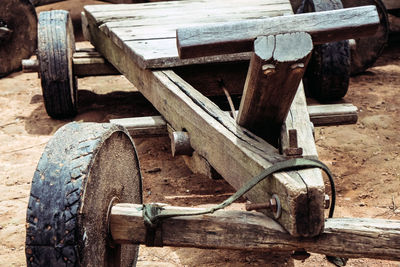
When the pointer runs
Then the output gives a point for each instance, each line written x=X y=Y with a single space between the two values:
x=268 y=69
x=327 y=202
x=271 y=204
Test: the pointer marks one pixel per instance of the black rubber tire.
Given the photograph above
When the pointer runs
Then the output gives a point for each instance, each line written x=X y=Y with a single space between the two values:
x=83 y=167
x=328 y=72
x=19 y=16
x=56 y=46
x=367 y=50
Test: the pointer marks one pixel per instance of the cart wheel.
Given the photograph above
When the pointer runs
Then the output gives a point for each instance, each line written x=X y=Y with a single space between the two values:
x=328 y=72
x=17 y=35
x=367 y=50
x=56 y=46
x=82 y=169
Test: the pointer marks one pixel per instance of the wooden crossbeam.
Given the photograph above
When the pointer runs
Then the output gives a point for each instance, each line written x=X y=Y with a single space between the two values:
x=320 y=115
x=345 y=237
x=236 y=37
x=234 y=152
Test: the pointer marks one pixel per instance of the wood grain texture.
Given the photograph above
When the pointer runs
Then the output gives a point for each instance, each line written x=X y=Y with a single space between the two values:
x=235 y=37
x=276 y=69
x=320 y=115
x=298 y=119
x=333 y=114
x=345 y=237
x=234 y=152
x=91 y=64
x=150 y=28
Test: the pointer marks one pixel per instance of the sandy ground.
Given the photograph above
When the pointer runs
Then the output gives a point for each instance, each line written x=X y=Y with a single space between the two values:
x=363 y=157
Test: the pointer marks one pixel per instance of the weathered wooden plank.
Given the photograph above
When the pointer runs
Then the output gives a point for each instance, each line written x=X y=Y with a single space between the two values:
x=320 y=115
x=189 y=12
x=345 y=237
x=234 y=152
x=238 y=37
x=152 y=38
x=168 y=5
x=298 y=119
x=276 y=69
x=91 y=63
x=334 y=114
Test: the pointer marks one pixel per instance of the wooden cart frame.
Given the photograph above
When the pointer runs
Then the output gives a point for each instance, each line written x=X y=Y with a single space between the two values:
x=230 y=146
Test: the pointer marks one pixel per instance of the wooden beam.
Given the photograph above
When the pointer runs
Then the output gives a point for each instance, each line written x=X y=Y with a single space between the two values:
x=276 y=69
x=198 y=164
x=345 y=237
x=299 y=120
x=234 y=152
x=333 y=114
x=320 y=115
x=91 y=63
x=86 y=62
x=236 y=37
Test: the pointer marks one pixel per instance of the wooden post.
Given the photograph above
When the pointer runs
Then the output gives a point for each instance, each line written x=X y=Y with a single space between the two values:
x=345 y=237
x=275 y=72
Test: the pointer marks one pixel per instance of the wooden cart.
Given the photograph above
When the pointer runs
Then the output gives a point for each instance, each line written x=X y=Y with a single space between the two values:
x=18 y=36
x=85 y=205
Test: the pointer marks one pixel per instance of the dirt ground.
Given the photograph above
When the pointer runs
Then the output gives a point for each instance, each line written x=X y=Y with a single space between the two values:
x=364 y=158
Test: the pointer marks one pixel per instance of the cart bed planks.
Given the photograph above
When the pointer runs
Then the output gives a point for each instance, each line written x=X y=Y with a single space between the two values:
x=149 y=30
x=233 y=151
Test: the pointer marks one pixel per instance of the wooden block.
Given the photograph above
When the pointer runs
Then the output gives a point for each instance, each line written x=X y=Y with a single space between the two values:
x=275 y=72
x=344 y=237
x=235 y=37
x=333 y=114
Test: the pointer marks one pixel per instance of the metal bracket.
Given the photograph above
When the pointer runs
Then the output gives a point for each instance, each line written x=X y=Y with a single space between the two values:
x=293 y=151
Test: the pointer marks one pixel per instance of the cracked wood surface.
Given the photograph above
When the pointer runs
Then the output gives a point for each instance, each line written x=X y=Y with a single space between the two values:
x=236 y=153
